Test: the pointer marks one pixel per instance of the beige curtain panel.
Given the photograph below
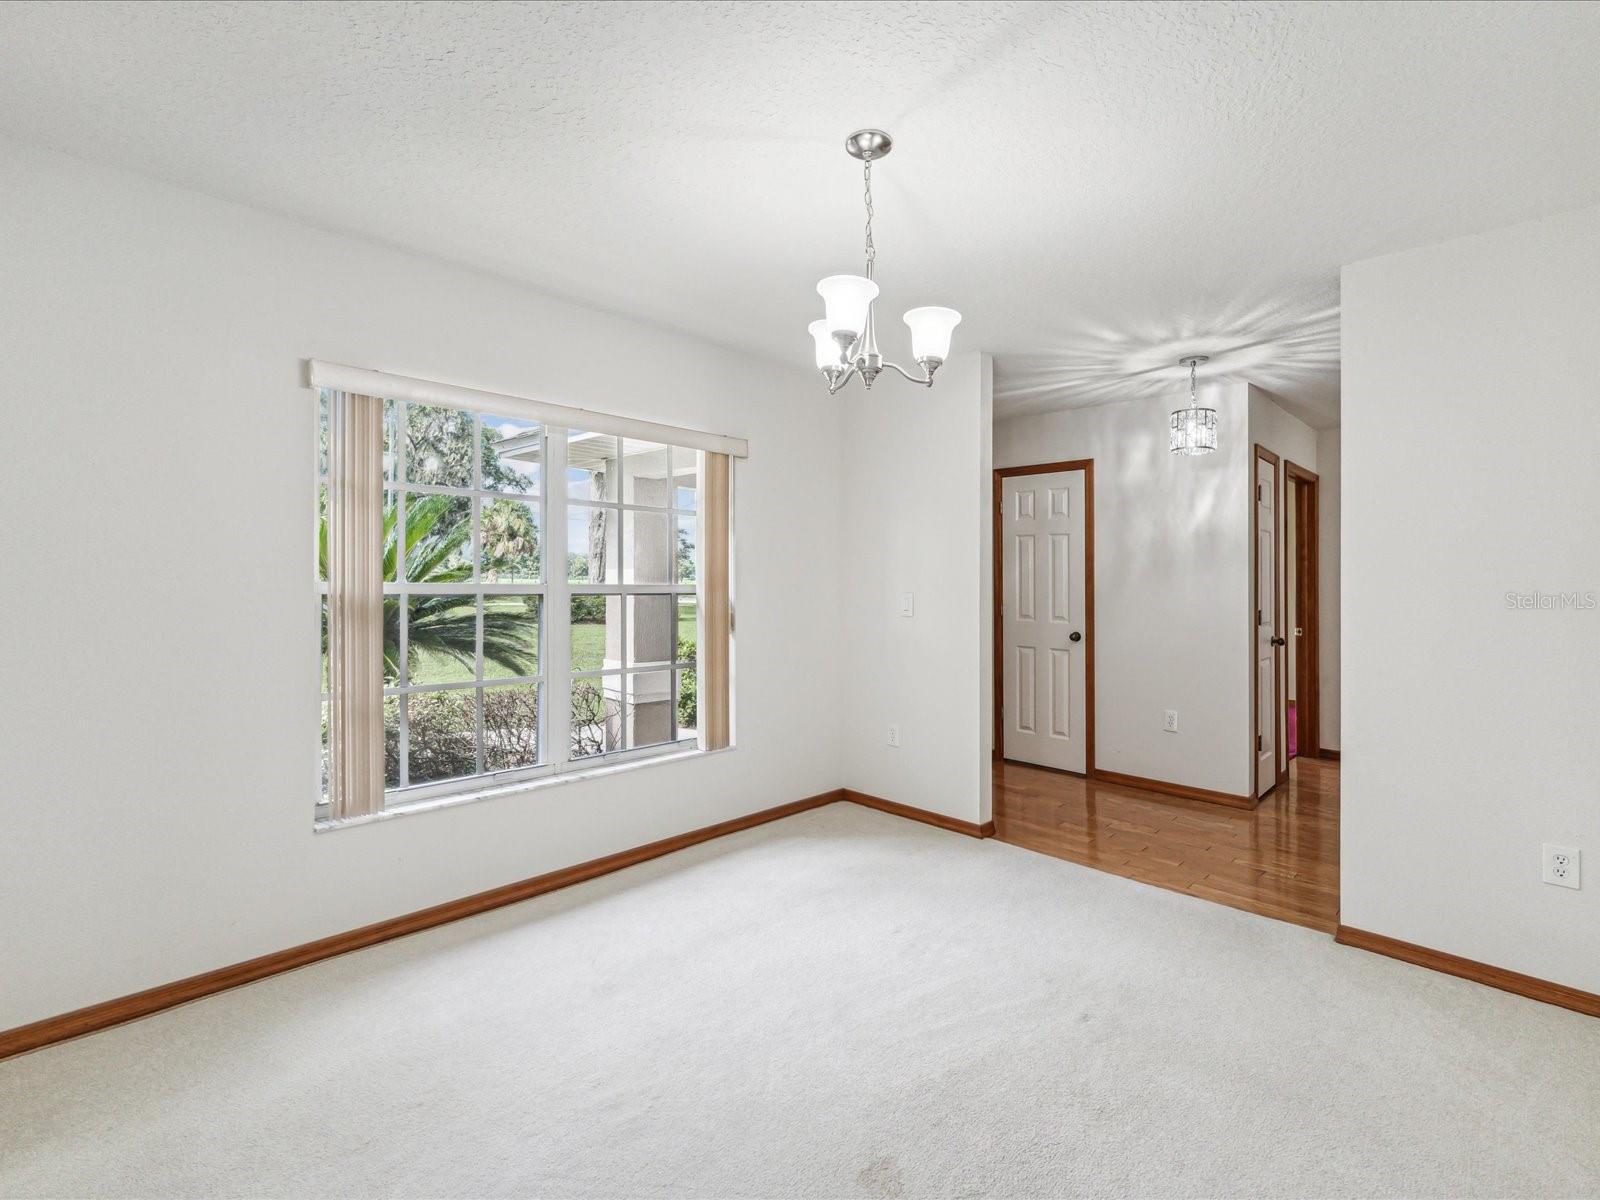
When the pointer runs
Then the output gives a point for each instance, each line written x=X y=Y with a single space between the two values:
x=715 y=720
x=355 y=603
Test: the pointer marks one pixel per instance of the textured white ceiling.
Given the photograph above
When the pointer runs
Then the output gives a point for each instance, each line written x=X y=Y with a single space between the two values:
x=1098 y=187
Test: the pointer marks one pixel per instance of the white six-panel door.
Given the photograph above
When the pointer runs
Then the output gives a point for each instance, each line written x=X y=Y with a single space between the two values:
x=1266 y=601
x=1044 y=674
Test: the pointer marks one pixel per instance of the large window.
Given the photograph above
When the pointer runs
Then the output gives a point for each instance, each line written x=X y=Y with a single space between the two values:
x=502 y=598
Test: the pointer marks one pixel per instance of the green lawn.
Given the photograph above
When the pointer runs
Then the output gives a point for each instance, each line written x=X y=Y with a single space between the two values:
x=589 y=641
x=588 y=654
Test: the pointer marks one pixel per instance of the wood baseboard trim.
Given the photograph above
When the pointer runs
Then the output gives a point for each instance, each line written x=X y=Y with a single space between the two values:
x=1466 y=968
x=939 y=820
x=1330 y=755
x=1182 y=790
x=153 y=1000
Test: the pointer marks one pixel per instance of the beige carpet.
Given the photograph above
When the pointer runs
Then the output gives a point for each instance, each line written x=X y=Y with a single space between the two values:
x=840 y=1004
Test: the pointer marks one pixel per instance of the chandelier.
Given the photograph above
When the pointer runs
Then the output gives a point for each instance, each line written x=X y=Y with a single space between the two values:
x=1194 y=429
x=846 y=338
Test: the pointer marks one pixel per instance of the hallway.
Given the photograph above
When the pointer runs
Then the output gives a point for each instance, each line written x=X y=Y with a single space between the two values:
x=1280 y=860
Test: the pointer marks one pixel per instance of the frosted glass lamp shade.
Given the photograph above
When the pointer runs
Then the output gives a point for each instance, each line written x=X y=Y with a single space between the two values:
x=846 y=299
x=930 y=332
x=828 y=352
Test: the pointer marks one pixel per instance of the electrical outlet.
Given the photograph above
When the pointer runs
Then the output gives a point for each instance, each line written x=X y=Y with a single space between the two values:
x=894 y=735
x=1170 y=725
x=1562 y=866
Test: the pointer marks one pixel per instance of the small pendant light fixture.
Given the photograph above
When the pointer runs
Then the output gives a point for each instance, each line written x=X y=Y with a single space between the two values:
x=1194 y=429
x=846 y=339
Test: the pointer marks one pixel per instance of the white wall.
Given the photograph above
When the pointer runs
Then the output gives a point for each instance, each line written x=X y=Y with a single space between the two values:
x=1172 y=573
x=1471 y=414
x=1286 y=436
x=1328 y=500
x=160 y=720
x=917 y=519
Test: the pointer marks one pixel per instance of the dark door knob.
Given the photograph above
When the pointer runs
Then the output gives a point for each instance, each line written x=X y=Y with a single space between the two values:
x=1075 y=636
x=1278 y=642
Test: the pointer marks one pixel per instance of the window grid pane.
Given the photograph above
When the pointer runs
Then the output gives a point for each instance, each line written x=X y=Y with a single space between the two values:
x=463 y=520
x=648 y=712
x=510 y=546
x=510 y=727
x=688 y=722
x=594 y=631
x=596 y=715
x=443 y=727
x=465 y=499
x=652 y=633
x=646 y=473
x=685 y=478
x=650 y=619
x=591 y=467
x=686 y=549
x=394 y=760
x=646 y=547
x=591 y=551
x=439 y=447
x=512 y=455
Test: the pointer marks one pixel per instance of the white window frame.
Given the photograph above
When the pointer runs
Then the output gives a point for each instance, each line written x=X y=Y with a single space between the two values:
x=562 y=591
x=555 y=677
x=476 y=494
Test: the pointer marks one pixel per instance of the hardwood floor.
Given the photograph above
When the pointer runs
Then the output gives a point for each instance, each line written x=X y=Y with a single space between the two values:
x=1279 y=860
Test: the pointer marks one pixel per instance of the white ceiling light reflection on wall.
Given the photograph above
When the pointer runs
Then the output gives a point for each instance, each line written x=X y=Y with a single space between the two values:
x=846 y=338
x=1194 y=429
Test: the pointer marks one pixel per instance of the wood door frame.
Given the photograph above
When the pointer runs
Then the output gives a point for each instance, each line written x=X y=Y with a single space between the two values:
x=1001 y=474
x=1307 y=566
x=1262 y=454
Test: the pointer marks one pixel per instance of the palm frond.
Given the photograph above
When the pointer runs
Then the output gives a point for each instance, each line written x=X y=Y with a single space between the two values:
x=444 y=625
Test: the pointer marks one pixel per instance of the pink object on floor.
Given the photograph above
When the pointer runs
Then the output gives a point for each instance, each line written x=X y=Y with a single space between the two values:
x=1294 y=732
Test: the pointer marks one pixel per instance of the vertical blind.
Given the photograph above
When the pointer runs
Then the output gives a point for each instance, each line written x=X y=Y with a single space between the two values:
x=355 y=603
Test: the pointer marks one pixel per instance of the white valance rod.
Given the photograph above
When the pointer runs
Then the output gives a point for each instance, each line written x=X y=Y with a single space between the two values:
x=362 y=382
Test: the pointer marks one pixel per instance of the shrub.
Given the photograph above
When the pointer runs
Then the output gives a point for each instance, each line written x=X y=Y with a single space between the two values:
x=442 y=735
x=592 y=713
x=588 y=608
x=510 y=728
x=689 y=689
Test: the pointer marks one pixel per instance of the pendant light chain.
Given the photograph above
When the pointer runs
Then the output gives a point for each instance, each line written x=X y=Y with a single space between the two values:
x=872 y=251
x=1192 y=401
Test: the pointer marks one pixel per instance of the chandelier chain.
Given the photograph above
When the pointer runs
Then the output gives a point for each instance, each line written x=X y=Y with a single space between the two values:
x=872 y=251
x=1192 y=366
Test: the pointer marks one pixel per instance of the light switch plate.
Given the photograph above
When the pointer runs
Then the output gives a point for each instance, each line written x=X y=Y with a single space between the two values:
x=907 y=604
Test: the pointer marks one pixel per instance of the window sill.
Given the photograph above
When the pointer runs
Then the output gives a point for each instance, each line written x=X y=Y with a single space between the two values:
x=521 y=787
